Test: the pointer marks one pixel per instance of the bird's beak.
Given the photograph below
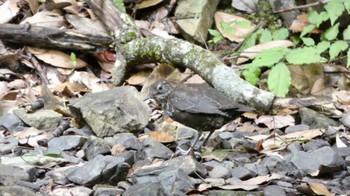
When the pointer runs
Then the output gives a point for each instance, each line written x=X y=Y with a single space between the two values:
x=149 y=96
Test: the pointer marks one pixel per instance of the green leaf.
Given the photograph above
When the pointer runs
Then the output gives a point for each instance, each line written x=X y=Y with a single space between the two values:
x=214 y=32
x=348 y=60
x=279 y=80
x=296 y=39
x=336 y=48
x=308 y=41
x=313 y=17
x=227 y=28
x=346 y=33
x=332 y=32
x=306 y=55
x=73 y=59
x=251 y=74
x=322 y=46
x=347 y=5
x=217 y=39
x=317 y=18
x=120 y=5
x=307 y=29
x=280 y=34
x=269 y=57
x=334 y=8
x=251 y=41
x=324 y=17
x=266 y=36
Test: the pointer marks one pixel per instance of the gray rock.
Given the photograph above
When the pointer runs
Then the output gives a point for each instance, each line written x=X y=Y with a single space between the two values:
x=343 y=152
x=96 y=146
x=59 y=144
x=345 y=120
x=274 y=190
x=124 y=185
x=226 y=135
x=10 y=121
x=315 y=144
x=151 y=189
x=315 y=120
x=294 y=147
x=101 y=169
x=234 y=193
x=189 y=164
x=287 y=17
x=276 y=164
x=260 y=170
x=195 y=22
x=173 y=180
x=40 y=119
x=15 y=190
x=128 y=140
x=7 y=145
x=296 y=128
x=154 y=149
x=119 y=110
x=215 y=181
x=242 y=173
x=312 y=160
x=107 y=191
x=217 y=170
x=347 y=161
x=10 y=174
x=76 y=190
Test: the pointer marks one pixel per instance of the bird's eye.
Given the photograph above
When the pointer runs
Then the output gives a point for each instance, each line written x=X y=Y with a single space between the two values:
x=160 y=87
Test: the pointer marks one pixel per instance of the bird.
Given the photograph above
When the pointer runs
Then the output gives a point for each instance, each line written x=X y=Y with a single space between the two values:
x=198 y=106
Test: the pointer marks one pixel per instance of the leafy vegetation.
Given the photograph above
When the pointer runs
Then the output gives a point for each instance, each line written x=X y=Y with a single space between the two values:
x=309 y=49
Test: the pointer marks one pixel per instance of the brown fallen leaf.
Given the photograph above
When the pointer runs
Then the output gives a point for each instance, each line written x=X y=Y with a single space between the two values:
x=252 y=183
x=162 y=136
x=320 y=189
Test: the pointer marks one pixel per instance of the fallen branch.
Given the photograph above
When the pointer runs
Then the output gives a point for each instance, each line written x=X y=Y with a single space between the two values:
x=174 y=51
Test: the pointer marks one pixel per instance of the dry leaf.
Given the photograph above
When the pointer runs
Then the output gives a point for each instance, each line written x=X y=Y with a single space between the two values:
x=252 y=183
x=239 y=31
x=251 y=52
x=300 y=23
x=276 y=122
x=342 y=97
x=89 y=80
x=8 y=10
x=46 y=19
x=117 y=149
x=57 y=58
x=320 y=189
x=139 y=78
x=307 y=134
x=246 y=5
x=80 y=24
x=148 y=3
x=339 y=143
x=33 y=5
x=7 y=106
x=162 y=136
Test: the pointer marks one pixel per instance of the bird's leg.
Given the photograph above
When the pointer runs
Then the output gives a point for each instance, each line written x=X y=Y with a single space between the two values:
x=187 y=152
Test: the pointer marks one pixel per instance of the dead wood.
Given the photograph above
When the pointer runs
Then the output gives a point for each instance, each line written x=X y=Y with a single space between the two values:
x=45 y=37
x=175 y=51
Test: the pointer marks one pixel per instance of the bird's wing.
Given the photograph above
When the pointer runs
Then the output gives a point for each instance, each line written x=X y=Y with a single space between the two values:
x=196 y=101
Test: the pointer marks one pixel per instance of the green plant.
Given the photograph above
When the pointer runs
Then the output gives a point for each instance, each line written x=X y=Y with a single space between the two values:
x=277 y=59
x=73 y=59
x=216 y=36
x=120 y=5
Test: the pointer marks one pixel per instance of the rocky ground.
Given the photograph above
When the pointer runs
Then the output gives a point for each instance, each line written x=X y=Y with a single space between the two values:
x=112 y=156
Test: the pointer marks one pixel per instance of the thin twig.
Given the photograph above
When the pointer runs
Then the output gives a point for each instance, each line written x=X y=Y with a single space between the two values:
x=320 y=2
